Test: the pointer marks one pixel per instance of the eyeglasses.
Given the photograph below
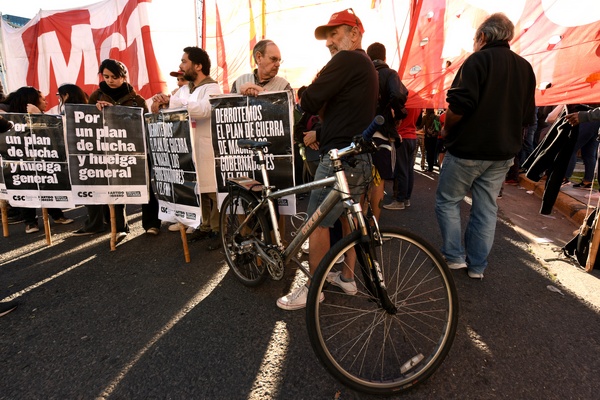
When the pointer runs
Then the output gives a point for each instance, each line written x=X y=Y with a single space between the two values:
x=276 y=60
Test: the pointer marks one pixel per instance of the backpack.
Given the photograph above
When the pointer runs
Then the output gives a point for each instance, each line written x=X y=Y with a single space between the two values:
x=434 y=129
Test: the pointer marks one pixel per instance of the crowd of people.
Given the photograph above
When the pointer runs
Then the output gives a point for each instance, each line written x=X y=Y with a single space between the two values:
x=494 y=88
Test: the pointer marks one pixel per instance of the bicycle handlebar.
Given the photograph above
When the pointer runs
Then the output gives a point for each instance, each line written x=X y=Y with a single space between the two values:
x=363 y=143
x=372 y=128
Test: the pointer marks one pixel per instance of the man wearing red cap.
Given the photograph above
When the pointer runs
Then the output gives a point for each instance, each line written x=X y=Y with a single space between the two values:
x=344 y=94
x=180 y=79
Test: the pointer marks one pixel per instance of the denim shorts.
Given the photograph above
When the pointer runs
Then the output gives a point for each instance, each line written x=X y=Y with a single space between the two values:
x=358 y=178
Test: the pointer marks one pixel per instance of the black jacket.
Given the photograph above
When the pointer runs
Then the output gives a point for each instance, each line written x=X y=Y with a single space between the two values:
x=494 y=91
x=345 y=96
x=392 y=96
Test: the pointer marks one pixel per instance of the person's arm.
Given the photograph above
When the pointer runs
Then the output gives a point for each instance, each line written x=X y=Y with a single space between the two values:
x=201 y=108
x=584 y=116
x=451 y=120
x=398 y=96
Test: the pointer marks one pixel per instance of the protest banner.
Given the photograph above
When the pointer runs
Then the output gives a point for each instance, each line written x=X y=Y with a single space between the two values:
x=34 y=162
x=173 y=171
x=107 y=154
x=267 y=117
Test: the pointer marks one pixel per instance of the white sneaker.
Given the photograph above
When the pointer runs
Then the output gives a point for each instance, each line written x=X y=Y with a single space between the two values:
x=457 y=265
x=348 y=287
x=296 y=299
x=305 y=247
x=120 y=237
x=406 y=203
x=475 y=275
x=394 y=205
x=175 y=227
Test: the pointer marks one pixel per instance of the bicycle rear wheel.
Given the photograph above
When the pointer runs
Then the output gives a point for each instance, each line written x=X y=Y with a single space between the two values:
x=240 y=254
x=369 y=349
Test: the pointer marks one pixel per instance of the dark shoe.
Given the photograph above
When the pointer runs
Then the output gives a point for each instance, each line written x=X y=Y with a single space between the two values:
x=214 y=242
x=32 y=228
x=153 y=231
x=5 y=308
x=63 y=221
x=583 y=185
x=199 y=235
x=83 y=232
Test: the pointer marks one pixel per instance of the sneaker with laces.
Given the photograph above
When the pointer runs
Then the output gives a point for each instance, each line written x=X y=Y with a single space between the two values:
x=475 y=275
x=394 y=205
x=335 y=278
x=458 y=265
x=63 y=221
x=296 y=299
x=32 y=228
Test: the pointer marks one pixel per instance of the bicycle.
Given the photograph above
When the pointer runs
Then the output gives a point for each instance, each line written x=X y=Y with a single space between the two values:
x=398 y=328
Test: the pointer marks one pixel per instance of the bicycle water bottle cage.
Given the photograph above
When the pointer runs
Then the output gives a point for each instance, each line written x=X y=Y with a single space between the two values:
x=252 y=144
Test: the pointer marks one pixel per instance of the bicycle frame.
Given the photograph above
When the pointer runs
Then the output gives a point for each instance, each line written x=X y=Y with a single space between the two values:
x=340 y=192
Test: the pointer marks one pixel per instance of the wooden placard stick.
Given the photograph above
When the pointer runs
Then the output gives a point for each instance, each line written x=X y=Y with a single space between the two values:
x=186 y=249
x=113 y=228
x=46 y=223
x=4 y=211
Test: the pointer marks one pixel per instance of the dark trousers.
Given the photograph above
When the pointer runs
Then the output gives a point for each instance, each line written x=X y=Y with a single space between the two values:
x=404 y=173
x=431 y=150
x=30 y=215
x=150 y=213
x=97 y=214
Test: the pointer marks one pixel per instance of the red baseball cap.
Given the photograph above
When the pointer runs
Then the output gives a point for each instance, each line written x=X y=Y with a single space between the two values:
x=176 y=74
x=346 y=17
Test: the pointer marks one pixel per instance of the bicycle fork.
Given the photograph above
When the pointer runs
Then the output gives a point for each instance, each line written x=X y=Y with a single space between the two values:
x=370 y=267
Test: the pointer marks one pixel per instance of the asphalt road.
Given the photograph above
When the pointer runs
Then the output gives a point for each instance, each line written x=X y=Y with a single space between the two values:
x=140 y=323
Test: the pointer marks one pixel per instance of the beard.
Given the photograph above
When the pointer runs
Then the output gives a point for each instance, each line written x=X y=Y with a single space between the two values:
x=190 y=76
x=345 y=44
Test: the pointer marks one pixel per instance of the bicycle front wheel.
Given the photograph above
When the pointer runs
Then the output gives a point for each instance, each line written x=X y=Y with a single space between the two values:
x=240 y=253
x=367 y=348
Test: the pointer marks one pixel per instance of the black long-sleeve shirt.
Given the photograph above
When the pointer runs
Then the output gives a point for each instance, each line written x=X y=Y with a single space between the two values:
x=494 y=91
x=345 y=96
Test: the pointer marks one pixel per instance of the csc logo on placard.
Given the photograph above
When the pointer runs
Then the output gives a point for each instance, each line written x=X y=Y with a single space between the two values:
x=85 y=194
x=19 y=198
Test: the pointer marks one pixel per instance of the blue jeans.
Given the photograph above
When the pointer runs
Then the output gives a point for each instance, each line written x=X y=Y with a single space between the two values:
x=484 y=179
x=357 y=177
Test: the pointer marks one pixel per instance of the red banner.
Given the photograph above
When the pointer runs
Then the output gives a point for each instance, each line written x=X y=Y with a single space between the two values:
x=68 y=47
